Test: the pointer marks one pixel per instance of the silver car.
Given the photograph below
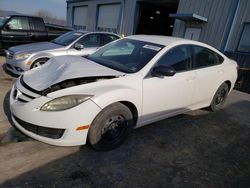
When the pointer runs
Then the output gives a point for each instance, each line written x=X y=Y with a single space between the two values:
x=24 y=57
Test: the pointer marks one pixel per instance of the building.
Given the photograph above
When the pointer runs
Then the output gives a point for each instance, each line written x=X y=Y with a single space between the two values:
x=224 y=24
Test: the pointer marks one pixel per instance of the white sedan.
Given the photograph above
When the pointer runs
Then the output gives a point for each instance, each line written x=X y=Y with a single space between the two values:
x=126 y=84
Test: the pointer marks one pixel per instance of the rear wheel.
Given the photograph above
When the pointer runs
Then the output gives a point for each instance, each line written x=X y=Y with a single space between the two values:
x=39 y=62
x=110 y=127
x=219 y=98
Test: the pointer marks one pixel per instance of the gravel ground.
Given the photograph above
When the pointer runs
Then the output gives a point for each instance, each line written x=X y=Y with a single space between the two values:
x=6 y=82
x=196 y=149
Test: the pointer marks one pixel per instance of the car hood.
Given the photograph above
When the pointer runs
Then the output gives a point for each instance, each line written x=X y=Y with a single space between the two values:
x=35 y=47
x=62 y=68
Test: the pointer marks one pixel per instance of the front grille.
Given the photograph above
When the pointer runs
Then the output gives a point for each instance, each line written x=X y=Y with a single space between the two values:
x=23 y=92
x=9 y=54
x=22 y=97
x=41 y=131
x=9 y=66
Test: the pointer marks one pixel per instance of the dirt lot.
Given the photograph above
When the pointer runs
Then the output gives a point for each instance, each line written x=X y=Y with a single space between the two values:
x=197 y=149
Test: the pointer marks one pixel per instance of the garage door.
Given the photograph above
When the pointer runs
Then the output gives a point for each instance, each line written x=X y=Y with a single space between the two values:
x=108 y=17
x=80 y=17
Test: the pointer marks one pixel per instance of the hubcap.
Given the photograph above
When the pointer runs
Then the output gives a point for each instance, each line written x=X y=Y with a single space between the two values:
x=39 y=63
x=220 y=96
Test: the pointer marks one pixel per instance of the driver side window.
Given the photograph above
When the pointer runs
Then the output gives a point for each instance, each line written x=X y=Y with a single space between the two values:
x=90 y=41
x=18 y=23
x=179 y=58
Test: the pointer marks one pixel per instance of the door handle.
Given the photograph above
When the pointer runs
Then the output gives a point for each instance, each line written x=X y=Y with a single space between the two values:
x=29 y=35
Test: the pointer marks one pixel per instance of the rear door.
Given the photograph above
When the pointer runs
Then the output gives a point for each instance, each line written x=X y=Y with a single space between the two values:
x=16 y=31
x=163 y=96
x=210 y=74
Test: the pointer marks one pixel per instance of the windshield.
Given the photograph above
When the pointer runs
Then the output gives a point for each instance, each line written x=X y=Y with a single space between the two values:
x=126 y=55
x=3 y=20
x=67 y=38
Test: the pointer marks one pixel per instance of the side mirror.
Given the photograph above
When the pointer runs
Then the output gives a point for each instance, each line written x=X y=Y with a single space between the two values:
x=7 y=27
x=78 y=46
x=163 y=71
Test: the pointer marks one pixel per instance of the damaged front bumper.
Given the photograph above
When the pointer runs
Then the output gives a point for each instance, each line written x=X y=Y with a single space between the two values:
x=57 y=128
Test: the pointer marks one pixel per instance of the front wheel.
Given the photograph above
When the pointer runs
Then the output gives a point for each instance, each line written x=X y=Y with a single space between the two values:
x=219 y=98
x=39 y=62
x=110 y=127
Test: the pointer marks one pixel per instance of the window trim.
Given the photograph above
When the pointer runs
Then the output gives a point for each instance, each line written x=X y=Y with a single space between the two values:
x=193 y=59
x=240 y=37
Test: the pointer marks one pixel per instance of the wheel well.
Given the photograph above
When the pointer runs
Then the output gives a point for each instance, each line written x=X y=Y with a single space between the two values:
x=229 y=84
x=133 y=109
x=47 y=58
x=42 y=58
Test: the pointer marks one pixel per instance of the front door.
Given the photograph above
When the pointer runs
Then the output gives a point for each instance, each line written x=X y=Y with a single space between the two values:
x=91 y=43
x=165 y=96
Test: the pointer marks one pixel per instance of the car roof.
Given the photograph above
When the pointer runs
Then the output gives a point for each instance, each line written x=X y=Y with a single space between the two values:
x=100 y=32
x=168 y=40
x=23 y=15
x=157 y=39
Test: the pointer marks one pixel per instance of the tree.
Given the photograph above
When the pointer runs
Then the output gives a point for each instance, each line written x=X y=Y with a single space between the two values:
x=49 y=18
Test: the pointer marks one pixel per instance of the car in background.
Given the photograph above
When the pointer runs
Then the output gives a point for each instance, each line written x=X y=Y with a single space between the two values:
x=22 y=29
x=80 y=43
x=126 y=84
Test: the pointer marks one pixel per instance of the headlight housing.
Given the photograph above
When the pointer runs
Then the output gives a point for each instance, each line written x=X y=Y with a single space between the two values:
x=22 y=56
x=65 y=102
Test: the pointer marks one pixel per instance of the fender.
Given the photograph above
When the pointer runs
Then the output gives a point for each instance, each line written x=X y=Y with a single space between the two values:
x=40 y=55
x=120 y=94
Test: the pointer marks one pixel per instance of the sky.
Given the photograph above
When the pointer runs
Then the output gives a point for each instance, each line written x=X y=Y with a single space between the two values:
x=55 y=7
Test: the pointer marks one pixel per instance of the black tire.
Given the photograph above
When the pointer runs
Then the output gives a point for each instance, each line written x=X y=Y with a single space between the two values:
x=39 y=62
x=219 y=98
x=110 y=127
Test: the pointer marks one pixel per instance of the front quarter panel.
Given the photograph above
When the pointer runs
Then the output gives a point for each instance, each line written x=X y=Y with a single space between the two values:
x=106 y=92
x=47 y=54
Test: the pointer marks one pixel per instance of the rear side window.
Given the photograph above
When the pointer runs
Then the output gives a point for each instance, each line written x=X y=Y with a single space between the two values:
x=109 y=38
x=179 y=58
x=205 y=57
x=18 y=23
x=37 y=24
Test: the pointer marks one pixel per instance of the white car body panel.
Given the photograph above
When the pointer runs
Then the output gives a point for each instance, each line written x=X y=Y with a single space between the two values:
x=155 y=98
x=177 y=93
